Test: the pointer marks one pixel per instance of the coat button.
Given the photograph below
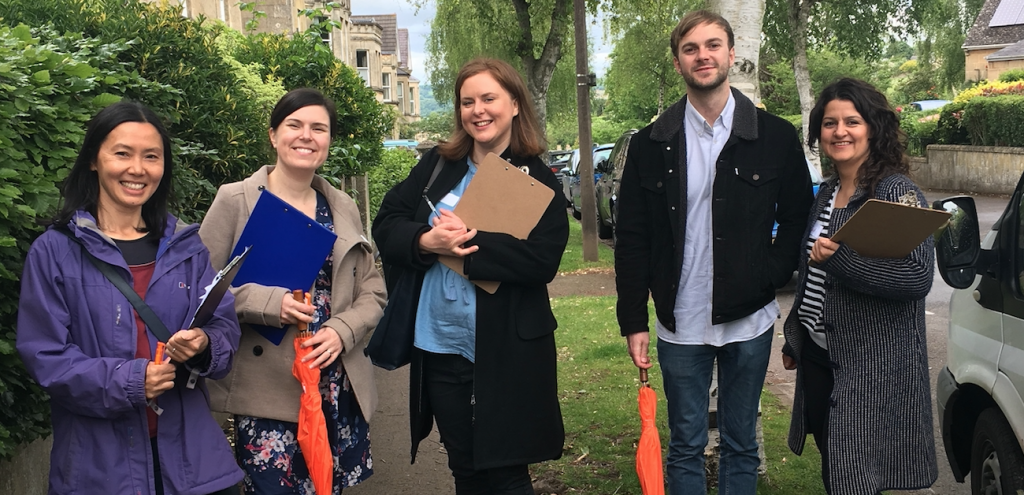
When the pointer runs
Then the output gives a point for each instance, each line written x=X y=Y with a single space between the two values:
x=756 y=177
x=658 y=184
x=673 y=208
x=261 y=188
x=668 y=148
x=257 y=351
x=670 y=171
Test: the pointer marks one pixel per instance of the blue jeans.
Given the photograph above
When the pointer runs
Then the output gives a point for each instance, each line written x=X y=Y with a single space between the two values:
x=687 y=375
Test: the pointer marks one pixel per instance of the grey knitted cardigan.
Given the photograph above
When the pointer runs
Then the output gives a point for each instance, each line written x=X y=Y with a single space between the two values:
x=880 y=424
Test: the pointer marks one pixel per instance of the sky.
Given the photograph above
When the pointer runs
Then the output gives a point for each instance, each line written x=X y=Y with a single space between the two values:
x=418 y=24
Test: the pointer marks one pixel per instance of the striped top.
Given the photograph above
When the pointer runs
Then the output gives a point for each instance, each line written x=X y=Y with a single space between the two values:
x=813 y=301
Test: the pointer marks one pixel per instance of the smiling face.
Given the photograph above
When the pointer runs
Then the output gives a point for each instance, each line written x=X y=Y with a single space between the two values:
x=486 y=110
x=844 y=134
x=128 y=166
x=704 y=57
x=303 y=139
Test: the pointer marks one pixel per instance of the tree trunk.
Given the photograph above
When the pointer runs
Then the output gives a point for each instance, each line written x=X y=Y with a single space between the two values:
x=539 y=69
x=799 y=13
x=746 y=18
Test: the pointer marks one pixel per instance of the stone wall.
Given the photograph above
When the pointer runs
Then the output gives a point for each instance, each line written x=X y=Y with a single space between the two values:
x=27 y=472
x=974 y=169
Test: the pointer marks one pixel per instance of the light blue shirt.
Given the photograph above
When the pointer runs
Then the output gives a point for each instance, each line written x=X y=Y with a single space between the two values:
x=704 y=142
x=446 y=317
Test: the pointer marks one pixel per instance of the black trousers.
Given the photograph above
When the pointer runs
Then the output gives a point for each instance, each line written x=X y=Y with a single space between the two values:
x=232 y=490
x=448 y=380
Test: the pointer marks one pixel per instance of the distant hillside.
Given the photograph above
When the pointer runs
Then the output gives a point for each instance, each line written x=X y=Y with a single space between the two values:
x=428 y=104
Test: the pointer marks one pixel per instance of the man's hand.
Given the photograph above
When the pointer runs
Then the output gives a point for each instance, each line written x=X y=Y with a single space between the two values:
x=638 y=343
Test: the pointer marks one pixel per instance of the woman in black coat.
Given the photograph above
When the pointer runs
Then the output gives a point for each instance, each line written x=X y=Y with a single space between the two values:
x=483 y=364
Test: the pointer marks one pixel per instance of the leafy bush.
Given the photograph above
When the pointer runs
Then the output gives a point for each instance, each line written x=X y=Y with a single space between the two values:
x=302 y=60
x=1012 y=75
x=950 y=127
x=991 y=88
x=216 y=116
x=394 y=167
x=920 y=130
x=995 y=121
x=52 y=86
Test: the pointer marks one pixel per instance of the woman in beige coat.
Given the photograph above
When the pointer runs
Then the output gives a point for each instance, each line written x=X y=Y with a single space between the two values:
x=347 y=302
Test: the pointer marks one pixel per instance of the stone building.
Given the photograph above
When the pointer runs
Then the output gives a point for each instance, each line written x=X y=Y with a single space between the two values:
x=995 y=43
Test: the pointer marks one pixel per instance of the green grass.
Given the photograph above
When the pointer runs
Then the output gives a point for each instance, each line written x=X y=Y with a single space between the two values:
x=598 y=393
x=572 y=259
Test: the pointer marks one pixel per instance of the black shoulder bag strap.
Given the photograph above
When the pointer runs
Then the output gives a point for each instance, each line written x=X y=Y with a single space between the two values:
x=433 y=175
x=152 y=321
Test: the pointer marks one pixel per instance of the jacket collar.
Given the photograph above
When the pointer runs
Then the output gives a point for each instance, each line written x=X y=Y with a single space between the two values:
x=744 y=123
x=84 y=228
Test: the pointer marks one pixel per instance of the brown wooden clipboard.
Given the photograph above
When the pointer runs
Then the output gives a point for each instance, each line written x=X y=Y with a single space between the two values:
x=881 y=229
x=500 y=198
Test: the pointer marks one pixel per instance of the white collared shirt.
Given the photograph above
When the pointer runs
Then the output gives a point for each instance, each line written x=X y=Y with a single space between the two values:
x=704 y=142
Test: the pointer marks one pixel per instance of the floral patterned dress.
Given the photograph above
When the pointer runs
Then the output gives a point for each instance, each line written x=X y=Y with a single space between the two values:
x=267 y=449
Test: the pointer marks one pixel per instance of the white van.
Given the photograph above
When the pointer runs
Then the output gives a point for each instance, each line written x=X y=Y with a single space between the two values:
x=979 y=405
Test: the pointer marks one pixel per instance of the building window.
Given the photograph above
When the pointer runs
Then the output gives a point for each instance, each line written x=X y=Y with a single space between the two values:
x=401 y=97
x=363 y=65
x=385 y=84
x=325 y=30
x=412 y=102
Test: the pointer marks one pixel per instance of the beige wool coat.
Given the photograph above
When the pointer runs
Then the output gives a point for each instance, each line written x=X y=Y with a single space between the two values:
x=261 y=383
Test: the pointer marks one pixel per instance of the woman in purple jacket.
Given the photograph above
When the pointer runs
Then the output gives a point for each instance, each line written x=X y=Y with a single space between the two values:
x=82 y=341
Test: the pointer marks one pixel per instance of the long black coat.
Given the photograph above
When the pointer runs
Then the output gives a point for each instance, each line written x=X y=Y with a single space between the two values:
x=518 y=419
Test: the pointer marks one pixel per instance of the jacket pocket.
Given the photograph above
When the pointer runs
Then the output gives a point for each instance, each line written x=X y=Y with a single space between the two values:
x=757 y=177
x=533 y=317
x=653 y=184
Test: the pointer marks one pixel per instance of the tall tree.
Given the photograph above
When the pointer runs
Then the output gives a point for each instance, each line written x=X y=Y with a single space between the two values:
x=531 y=34
x=746 y=18
x=860 y=28
x=641 y=80
x=946 y=25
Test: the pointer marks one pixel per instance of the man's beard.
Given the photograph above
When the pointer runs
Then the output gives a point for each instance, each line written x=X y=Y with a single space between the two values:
x=695 y=84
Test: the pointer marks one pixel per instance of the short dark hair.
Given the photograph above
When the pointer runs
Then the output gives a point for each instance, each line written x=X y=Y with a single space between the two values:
x=697 y=18
x=303 y=97
x=81 y=188
x=886 y=141
x=526 y=136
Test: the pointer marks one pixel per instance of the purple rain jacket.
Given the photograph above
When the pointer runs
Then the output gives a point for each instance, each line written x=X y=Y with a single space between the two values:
x=77 y=337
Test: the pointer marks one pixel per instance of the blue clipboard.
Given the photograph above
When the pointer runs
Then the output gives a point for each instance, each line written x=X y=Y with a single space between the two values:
x=288 y=250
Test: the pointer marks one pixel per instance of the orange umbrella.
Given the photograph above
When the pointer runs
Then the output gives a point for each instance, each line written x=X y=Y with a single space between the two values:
x=648 y=452
x=312 y=434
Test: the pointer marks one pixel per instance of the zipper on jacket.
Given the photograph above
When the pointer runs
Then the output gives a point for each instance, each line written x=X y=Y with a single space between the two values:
x=117 y=322
x=472 y=403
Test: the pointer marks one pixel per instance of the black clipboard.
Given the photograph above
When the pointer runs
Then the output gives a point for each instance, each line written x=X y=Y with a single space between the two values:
x=215 y=291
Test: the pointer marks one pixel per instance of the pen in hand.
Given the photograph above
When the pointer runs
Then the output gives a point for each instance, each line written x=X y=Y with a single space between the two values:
x=431 y=205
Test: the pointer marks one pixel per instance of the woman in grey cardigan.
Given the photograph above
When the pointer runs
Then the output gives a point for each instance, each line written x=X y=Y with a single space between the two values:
x=856 y=334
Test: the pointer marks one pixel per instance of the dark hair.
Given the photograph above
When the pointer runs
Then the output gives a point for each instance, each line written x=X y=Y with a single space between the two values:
x=886 y=141
x=697 y=18
x=81 y=188
x=303 y=97
x=526 y=137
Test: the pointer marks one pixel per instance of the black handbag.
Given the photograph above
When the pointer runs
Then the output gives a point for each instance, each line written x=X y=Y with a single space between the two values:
x=390 y=346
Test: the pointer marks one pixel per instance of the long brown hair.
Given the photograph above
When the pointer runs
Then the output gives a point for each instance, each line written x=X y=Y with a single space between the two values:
x=526 y=137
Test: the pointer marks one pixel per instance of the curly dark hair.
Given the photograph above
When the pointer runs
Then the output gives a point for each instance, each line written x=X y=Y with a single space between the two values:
x=886 y=142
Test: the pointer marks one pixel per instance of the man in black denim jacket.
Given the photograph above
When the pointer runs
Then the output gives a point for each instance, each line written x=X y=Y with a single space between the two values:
x=699 y=193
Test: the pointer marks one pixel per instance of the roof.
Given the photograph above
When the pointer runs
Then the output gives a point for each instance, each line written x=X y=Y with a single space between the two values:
x=1012 y=52
x=389 y=27
x=982 y=33
x=403 y=47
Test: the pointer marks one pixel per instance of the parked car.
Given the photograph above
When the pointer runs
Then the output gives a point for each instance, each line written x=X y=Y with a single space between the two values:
x=607 y=187
x=571 y=186
x=922 y=105
x=978 y=392
x=557 y=160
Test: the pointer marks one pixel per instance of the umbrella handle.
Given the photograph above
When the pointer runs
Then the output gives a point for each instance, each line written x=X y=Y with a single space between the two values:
x=300 y=296
x=643 y=377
